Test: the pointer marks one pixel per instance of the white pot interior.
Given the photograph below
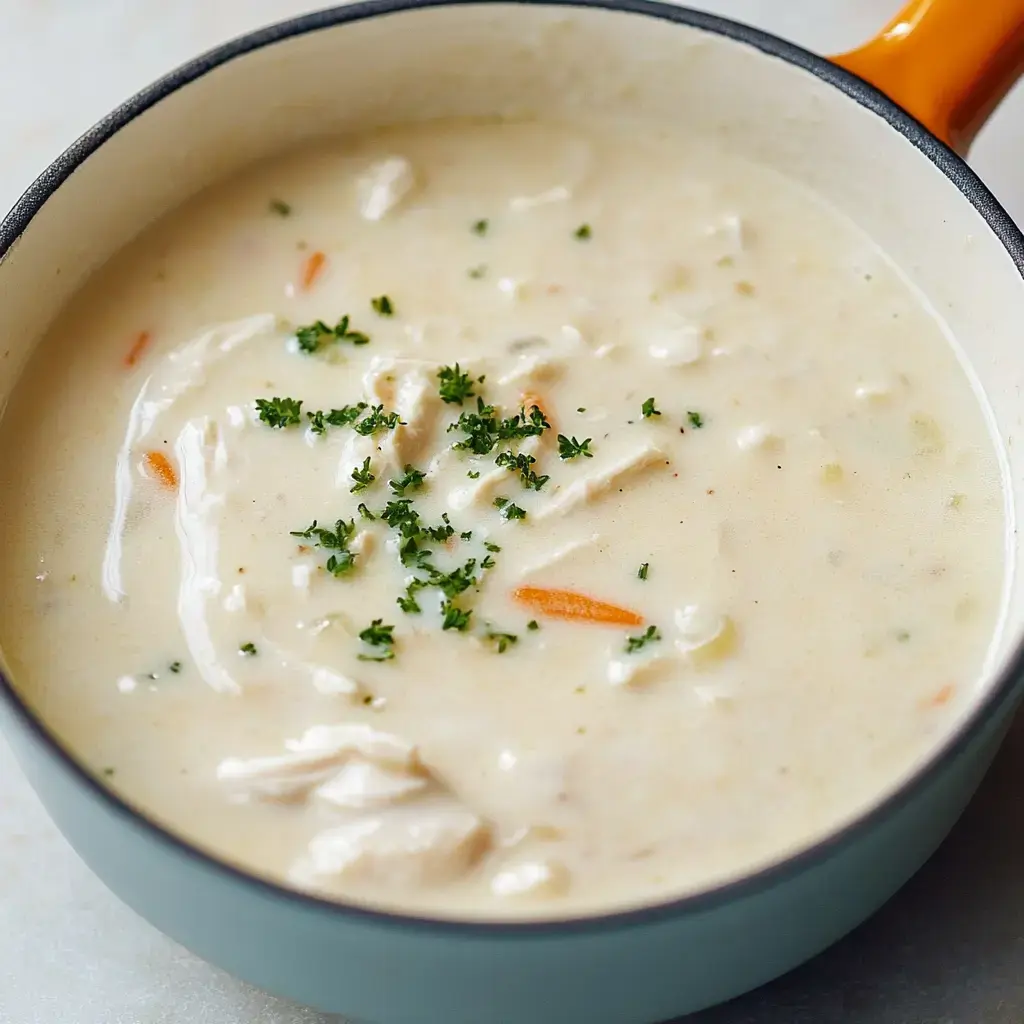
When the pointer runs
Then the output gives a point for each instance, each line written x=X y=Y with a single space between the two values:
x=514 y=60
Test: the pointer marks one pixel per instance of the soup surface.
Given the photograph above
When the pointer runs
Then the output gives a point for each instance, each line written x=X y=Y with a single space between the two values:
x=502 y=519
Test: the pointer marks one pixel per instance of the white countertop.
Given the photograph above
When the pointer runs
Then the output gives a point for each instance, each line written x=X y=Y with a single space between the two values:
x=949 y=950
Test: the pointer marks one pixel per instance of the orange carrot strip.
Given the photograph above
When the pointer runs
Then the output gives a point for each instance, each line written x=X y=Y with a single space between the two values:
x=160 y=467
x=567 y=604
x=940 y=697
x=528 y=400
x=139 y=346
x=312 y=268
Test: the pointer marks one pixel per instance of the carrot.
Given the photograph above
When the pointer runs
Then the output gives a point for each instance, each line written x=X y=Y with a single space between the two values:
x=528 y=401
x=139 y=345
x=567 y=604
x=940 y=697
x=160 y=467
x=312 y=269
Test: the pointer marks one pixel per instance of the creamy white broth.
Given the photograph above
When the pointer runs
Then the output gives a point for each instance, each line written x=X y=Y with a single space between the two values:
x=815 y=498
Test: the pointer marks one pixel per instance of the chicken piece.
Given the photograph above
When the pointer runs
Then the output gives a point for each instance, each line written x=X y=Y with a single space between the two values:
x=481 y=490
x=703 y=635
x=384 y=186
x=588 y=488
x=409 y=388
x=636 y=670
x=316 y=757
x=542 y=877
x=426 y=842
x=533 y=369
x=362 y=784
x=677 y=346
x=557 y=194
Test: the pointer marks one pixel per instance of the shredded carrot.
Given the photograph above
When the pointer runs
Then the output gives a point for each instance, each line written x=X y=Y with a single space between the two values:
x=312 y=268
x=139 y=345
x=528 y=400
x=567 y=604
x=940 y=697
x=160 y=467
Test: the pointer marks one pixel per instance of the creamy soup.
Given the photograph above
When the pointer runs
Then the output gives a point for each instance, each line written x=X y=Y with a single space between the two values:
x=501 y=519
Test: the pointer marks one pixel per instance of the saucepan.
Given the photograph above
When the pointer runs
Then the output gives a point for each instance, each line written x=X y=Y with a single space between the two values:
x=879 y=132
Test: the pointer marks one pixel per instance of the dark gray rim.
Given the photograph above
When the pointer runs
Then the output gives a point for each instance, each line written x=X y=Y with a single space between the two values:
x=1002 y=691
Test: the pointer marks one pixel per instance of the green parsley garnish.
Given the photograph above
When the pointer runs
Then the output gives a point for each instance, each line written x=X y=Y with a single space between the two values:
x=570 y=448
x=636 y=643
x=583 y=233
x=533 y=624
x=648 y=409
x=456 y=386
x=108 y=772
x=478 y=272
x=523 y=465
x=502 y=641
x=316 y=335
x=379 y=637
x=483 y=429
x=642 y=571
x=383 y=306
x=466 y=535
x=491 y=546
x=362 y=476
x=279 y=412
x=474 y=474
x=455 y=617
x=443 y=532
x=335 y=540
x=319 y=421
x=175 y=667
x=377 y=420
x=696 y=420
x=480 y=227
x=408 y=603
x=247 y=650
x=509 y=510
x=280 y=207
x=365 y=512
x=411 y=480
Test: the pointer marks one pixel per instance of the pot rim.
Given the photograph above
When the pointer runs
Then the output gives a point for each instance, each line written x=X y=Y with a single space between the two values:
x=1001 y=691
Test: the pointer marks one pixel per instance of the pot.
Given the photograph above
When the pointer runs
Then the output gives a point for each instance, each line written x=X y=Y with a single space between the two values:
x=889 y=162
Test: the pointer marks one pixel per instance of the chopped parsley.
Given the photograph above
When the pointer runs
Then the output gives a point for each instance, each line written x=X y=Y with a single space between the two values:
x=491 y=546
x=316 y=335
x=443 y=532
x=362 y=477
x=335 y=541
x=466 y=535
x=365 y=512
x=247 y=650
x=383 y=306
x=484 y=429
x=319 y=421
x=175 y=667
x=502 y=641
x=477 y=272
x=376 y=421
x=523 y=465
x=279 y=412
x=570 y=448
x=474 y=474
x=583 y=233
x=411 y=480
x=642 y=571
x=696 y=420
x=378 y=637
x=455 y=386
x=280 y=207
x=532 y=625
x=648 y=409
x=408 y=603
x=455 y=617
x=480 y=227
x=637 y=643
x=509 y=510
x=487 y=562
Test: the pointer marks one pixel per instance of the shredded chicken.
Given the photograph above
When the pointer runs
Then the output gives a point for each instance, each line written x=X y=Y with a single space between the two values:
x=588 y=488
x=426 y=842
x=408 y=387
x=384 y=186
x=542 y=877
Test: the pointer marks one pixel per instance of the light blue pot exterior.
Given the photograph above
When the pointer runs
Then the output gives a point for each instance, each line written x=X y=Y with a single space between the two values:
x=638 y=969
x=629 y=968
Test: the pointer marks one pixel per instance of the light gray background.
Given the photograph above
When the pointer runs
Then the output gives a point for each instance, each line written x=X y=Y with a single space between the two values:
x=948 y=950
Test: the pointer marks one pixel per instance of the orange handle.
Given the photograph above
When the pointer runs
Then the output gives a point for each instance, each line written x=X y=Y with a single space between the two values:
x=946 y=62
